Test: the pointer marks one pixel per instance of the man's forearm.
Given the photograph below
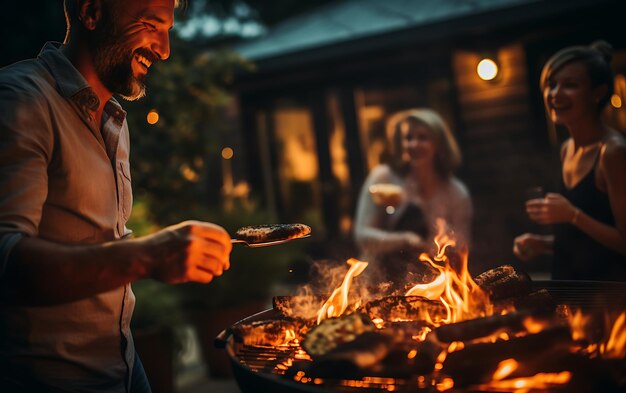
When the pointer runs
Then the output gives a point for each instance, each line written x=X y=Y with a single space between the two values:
x=45 y=273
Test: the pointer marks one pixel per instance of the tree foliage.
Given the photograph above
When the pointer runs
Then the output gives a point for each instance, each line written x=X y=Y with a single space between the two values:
x=176 y=160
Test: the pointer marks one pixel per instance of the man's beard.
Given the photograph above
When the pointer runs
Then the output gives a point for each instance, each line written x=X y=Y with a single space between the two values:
x=113 y=61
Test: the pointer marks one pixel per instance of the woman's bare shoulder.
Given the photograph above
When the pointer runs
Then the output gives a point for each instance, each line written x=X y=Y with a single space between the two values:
x=614 y=150
x=457 y=191
x=458 y=188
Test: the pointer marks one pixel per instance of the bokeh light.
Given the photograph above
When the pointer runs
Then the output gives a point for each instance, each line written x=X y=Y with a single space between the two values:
x=487 y=69
x=227 y=153
x=152 y=117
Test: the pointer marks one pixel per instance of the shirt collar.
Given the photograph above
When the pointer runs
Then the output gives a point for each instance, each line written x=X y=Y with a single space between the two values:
x=69 y=80
x=73 y=85
x=114 y=109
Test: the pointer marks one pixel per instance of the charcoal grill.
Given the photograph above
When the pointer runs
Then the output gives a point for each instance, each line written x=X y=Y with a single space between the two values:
x=263 y=369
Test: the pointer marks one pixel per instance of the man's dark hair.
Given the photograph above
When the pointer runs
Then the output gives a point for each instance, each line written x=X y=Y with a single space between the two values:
x=70 y=9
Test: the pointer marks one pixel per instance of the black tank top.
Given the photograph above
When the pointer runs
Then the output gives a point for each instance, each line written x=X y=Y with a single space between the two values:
x=576 y=255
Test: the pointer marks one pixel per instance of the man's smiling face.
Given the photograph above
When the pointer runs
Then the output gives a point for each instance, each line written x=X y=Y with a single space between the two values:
x=130 y=37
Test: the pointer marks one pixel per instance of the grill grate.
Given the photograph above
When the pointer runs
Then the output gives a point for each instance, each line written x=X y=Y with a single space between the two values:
x=278 y=367
x=587 y=295
x=279 y=361
x=266 y=359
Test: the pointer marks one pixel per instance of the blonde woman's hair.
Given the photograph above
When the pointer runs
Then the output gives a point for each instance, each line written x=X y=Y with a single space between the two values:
x=447 y=154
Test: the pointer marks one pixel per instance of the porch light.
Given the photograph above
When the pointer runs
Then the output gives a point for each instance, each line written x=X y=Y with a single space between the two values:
x=616 y=101
x=487 y=69
x=152 y=117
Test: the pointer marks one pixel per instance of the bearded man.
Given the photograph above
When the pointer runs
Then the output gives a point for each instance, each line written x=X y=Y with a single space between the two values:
x=66 y=257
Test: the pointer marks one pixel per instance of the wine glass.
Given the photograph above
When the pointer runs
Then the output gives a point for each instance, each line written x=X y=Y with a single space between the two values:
x=388 y=195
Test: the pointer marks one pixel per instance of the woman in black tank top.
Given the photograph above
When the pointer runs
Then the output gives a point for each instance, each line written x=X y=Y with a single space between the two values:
x=589 y=212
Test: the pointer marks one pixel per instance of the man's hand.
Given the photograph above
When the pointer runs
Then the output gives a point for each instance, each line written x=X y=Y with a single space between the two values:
x=189 y=251
x=47 y=273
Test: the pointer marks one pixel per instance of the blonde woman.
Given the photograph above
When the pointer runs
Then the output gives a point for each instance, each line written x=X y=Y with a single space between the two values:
x=401 y=200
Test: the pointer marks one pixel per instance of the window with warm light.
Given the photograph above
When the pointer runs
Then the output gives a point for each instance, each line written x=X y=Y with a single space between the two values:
x=339 y=162
x=297 y=161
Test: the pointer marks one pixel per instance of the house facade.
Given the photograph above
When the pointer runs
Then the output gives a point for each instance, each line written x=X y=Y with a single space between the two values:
x=313 y=114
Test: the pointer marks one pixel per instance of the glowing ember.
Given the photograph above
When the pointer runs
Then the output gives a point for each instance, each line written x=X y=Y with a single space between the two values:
x=533 y=326
x=456 y=346
x=379 y=322
x=541 y=381
x=505 y=368
x=445 y=384
x=422 y=334
x=337 y=303
x=457 y=291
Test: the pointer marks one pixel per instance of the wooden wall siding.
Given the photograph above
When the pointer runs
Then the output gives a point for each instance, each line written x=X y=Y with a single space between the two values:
x=500 y=156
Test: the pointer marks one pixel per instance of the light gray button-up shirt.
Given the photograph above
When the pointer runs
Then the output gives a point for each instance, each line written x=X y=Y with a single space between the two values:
x=65 y=179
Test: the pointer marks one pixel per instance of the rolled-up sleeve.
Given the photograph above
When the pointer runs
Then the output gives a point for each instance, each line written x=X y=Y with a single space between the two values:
x=26 y=144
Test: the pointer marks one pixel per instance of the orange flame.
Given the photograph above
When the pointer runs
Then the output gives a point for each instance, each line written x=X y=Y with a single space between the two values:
x=337 y=303
x=578 y=322
x=612 y=346
x=431 y=290
x=461 y=296
x=615 y=346
x=290 y=336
